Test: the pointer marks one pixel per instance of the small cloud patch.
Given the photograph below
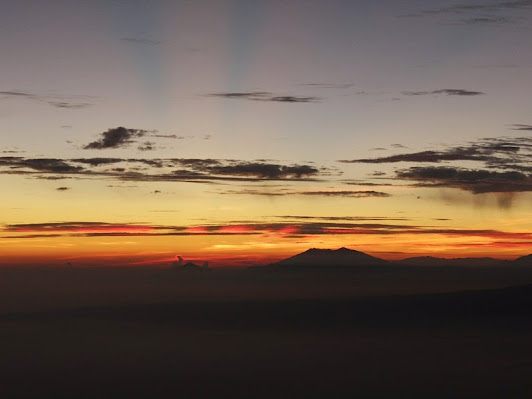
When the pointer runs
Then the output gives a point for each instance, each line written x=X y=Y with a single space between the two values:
x=118 y=137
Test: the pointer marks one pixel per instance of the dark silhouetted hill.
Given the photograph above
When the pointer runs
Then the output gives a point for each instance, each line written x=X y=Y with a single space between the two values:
x=349 y=259
x=327 y=259
x=460 y=345
x=523 y=260
x=190 y=266
x=439 y=262
x=427 y=261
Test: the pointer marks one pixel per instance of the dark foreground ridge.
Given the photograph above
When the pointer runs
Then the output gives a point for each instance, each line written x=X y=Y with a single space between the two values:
x=444 y=262
x=491 y=307
x=524 y=260
x=470 y=344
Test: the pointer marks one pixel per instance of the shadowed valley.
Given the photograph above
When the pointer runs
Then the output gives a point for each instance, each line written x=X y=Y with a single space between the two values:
x=322 y=323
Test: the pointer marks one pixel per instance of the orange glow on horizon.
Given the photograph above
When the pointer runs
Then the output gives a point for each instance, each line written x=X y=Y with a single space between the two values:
x=236 y=245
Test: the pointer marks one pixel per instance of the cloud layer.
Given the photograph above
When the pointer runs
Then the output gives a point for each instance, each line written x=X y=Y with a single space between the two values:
x=155 y=169
x=284 y=229
x=503 y=165
x=474 y=180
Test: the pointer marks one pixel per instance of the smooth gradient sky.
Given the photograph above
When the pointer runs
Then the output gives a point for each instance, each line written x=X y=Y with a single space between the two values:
x=242 y=132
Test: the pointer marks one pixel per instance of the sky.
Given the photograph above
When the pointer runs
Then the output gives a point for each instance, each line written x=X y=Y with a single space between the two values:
x=242 y=132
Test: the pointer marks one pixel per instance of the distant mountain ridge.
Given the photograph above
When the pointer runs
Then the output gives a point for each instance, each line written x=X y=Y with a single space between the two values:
x=524 y=260
x=435 y=261
x=344 y=258
x=328 y=258
x=189 y=266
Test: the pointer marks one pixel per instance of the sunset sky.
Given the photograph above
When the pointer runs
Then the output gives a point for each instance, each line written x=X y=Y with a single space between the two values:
x=242 y=132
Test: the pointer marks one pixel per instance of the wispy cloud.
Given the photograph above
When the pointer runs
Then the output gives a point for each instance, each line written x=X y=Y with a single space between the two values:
x=266 y=96
x=15 y=93
x=493 y=13
x=97 y=161
x=64 y=104
x=494 y=6
x=44 y=165
x=449 y=92
x=522 y=127
x=263 y=170
x=168 y=136
x=487 y=20
x=338 y=86
x=343 y=218
x=478 y=152
x=55 y=100
x=146 y=146
x=280 y=192
x=67 y=227
x=503 y=152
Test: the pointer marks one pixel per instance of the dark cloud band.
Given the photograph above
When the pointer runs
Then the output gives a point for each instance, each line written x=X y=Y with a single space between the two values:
x=286 y=229
x=171 y=169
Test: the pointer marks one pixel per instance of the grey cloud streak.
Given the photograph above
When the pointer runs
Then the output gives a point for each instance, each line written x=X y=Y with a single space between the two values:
x=490 y=150
x=479 y=13
x=467 y=8
x=449 y=92
x=314 y=193
x=266 y=96
x=264 y=170
x=328 y=85
x=64 y=104
x=522 y=127
x=55 y=100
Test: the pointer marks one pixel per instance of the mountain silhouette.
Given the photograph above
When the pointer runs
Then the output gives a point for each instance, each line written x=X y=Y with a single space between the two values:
x=523 y=260
x=327 y=259
x=190 y=266
x=344 y=258
x=473 y=262
x=435 y=261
